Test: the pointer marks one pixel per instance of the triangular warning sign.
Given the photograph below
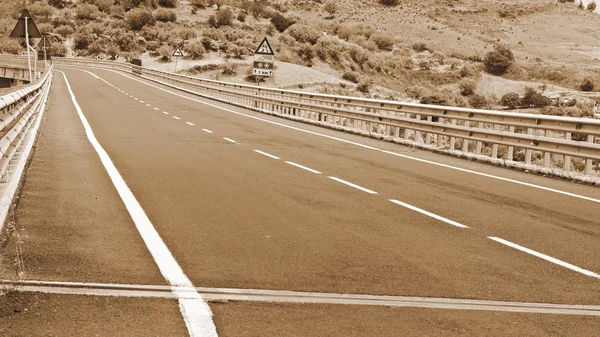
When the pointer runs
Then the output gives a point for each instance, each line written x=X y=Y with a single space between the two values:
x=264 y=48
x=178 y=53
x=32 y=29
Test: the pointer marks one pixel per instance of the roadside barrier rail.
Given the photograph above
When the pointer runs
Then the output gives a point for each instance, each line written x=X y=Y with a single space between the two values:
x=563 y=146
x=17 y=114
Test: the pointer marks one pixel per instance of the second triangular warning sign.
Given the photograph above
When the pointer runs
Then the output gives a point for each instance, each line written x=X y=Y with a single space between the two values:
x=264 y=48
x=178 y=53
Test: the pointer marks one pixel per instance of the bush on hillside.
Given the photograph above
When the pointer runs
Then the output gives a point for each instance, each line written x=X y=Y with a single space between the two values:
x=511 y=100
x=280 y=22
x=194 y=49
x=467 y=87
x=478 y=101
x=419 y=46
x=304 y=33
x=241 y=17
x=389 y=2
x=497 y=61
x=168 y=3
x=383 y=41
x=137 y=18
x=587 y=84
x=165 y=15
x=591 y=6
x=330 y=8
x=534 y=99
x=223 y=17
x=351 y=76
x=365 y=86
x=64 y=31
x=85 y=11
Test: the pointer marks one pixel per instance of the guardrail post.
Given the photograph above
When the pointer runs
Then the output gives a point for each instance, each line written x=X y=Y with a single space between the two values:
x=547 y=154
x=511 y=150
x=528 y=152
x=452 y=138
x=418 y=137
x=588 y=162
x=495 y=146
x=567 y=159
x=428 y=134
x=479 y=144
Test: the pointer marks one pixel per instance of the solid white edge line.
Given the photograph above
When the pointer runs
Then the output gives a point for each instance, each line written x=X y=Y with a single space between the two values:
x=188 y=123
x=354 y=143
x=229 y=140
x=303 y=167
x=207 y=131
x=352 y=185
x=545 y=257
x=196 y=312
x=429 y=214
x=266 y=154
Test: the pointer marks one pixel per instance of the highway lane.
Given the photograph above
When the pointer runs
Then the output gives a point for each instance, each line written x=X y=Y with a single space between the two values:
x=562 y=226
x=218 y=203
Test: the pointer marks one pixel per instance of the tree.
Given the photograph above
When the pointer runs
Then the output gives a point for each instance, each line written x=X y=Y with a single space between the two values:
x=137 y=18
x=591 y=6
x=499 y=60
x=223 y=17
x=534 y=99
x=511 y=100
x=280 y=22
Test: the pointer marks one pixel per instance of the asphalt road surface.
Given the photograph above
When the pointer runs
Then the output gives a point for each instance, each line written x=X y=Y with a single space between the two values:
x=243 y=200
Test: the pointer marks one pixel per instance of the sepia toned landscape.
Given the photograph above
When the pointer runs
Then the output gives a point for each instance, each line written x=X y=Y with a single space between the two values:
x=299 y=168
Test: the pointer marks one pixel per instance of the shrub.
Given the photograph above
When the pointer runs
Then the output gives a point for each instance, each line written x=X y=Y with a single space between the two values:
x=57 y=49
x=85 y=11
x=587 y=84
x=64 y=31
x=591 y=6
x=425 y=65
x=383 y=41
x=478 y=101
x=465 y=72
x=351 y=76
x=165 y=15
x=304 y=33
x=511 y=100
x=433 y=100
x=534 y=99
x=306 y=52
x=365 y=86
x=359 y=55
x=223 y=17
x=137 y=18
x=195 y=49
x=168 y=3
x=10 y=46
x=467 y=87
x=497 y=61
x=82 y=39
x=280 y=22
x=241 y=17
x=58 y=3
x=420 y=46
x=165 y=53
x=330 y=8
x=389 y=2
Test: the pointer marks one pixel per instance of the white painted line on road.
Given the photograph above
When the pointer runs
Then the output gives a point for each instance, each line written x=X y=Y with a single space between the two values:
x=361 y=145
x=353 y=185
x=196 y=312
x=148 y=105
x=303 y=167
x=157 y=109
x=135 y=98
x=286 y=296
x=166 y=113
x=229 y=140
x=141 y=101
x=266 y=154
x=545 y=257
x=176 y=117
x=207 y=131
x=188 y=123
x=429 y=214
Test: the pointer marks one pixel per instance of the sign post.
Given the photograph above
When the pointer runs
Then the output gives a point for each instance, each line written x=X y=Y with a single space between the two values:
x=264 y=59
x=177 y=54
x=26 y=28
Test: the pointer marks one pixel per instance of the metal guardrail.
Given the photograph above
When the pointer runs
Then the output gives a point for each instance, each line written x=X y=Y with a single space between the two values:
x=17 y=112
x=564 y=146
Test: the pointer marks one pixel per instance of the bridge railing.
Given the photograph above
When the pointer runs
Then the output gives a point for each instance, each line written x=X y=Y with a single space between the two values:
x=563 y=146
x=17 y=116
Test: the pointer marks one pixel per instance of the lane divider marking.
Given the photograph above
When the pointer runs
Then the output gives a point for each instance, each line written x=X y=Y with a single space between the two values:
x=157 y=109
x=266 y=154
x=207 y=131
x=196 y=312
x=352 y=185
x=303 y=167
x=429 y=214
x=166 y=113
x=188 y=123
x=229 y=140
x=545 y=257
x=176 y=117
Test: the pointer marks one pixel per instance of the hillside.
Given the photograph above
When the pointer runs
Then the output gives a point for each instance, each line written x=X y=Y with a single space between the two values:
x=427 y=50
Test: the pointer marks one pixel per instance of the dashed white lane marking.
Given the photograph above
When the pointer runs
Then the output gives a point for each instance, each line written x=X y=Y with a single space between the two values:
x=207 y=131
x=188 y=123
x=303 y=167
x=135 y=98
x=176 y=117
x=352 y=185
x=429 y=214
x=266 y=154
x=353 y=143
x=166 y=113
x=196 y=312
x=141 y=101
x=148 y=105
x=546 y=257
x=157 y=109
x=229 y=140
